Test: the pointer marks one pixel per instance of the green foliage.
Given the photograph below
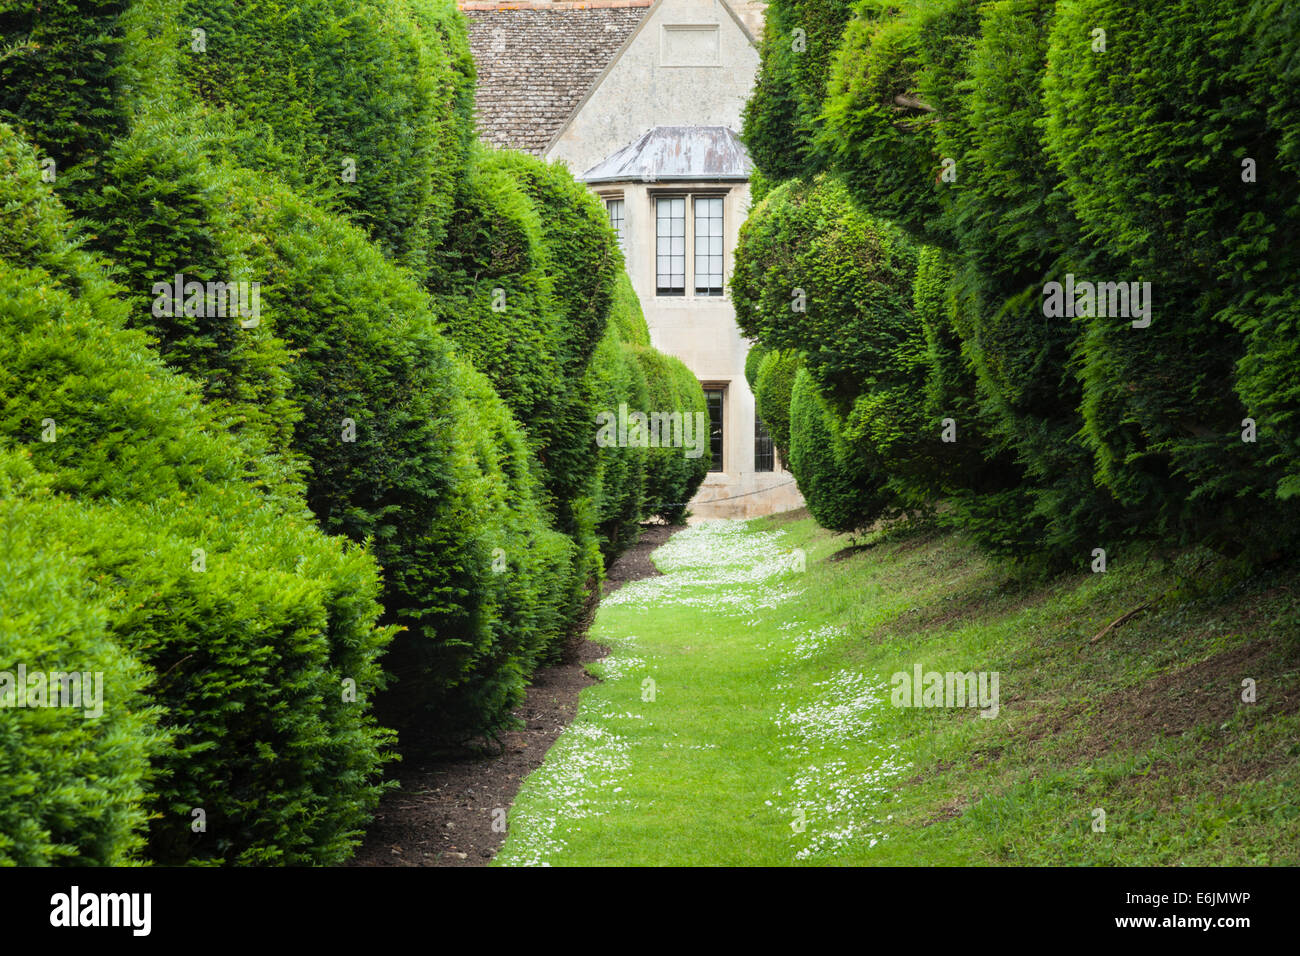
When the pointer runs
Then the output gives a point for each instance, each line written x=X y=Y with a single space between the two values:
x=377 y=84
x=72 y=785
x=898 y=70
x=625 y=313
x=164 y=211
x=815 y=274
x=773 y=389
x=1152 y=159
x=673 y=478
x=248 y=617
x=381 y=430
x=59 y=74
x=841 y=493
x=496 y=297
x=753 y=359
x=617 y=379
x=581 y=248
x=781 y=117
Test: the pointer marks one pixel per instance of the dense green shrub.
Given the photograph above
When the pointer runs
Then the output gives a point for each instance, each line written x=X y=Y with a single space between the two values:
x=1267 y=313
x=59 y=76
x=382 y=435
x=618 y=382
x=526 y=594
x=250 y=619
x=626 y=315
x=579 y=255
x=162 y=211
x=1152 y=158
x=773 y=389
x=753 y=359
x=496 y=297
x=841 y=492
x=795 y=53
x=72 y=785
x=365 y=99
x=581 y=248
x=672 y=477
x=813 y=273
x=898 y=71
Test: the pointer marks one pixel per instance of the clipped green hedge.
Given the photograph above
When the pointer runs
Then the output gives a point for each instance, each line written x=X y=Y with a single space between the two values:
x=1151 y=136
x=781 y=117
x=249 y=619
x=673 y=478
x=773 y=389
x=73 y=783
x=618 y=380
x=163 y=211
x=813 y=273
x=60 y=69
x=897 y=71
x=496 y=297
x=841 y=493
x=366 y=99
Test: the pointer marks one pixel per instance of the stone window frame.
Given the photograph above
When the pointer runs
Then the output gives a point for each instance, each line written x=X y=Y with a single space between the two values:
x=688 y=192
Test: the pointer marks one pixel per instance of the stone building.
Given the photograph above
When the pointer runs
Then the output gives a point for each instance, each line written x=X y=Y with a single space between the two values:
x=642 y=100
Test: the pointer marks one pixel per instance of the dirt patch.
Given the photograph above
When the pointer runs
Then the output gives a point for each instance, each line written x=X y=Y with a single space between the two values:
x=1168 y=705
x=1208 y=692
x=445 y=811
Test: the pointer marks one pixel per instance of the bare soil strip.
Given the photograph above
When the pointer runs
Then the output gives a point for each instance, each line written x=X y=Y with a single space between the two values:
x=443 y=815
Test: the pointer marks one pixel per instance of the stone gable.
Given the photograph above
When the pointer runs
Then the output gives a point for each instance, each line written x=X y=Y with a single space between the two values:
x=536 y=61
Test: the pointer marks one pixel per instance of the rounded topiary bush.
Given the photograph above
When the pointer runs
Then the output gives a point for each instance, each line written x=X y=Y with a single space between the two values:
x=815 y=274
x=781 y=117
x=618 y=385
x=773 y=388
x=897 y=75
x=73 y=779
x=162 y=212
x=59 y=77
x=1155 y=163
x=841 y=493
x=365 y=99
x=249 y=618
x=674 y=473
x=496 y=297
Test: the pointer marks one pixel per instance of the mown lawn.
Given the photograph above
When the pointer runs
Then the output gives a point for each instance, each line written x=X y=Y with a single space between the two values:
x=768 y=735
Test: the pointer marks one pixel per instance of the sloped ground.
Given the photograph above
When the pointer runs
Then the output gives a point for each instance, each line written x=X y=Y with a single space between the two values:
x=745 y=716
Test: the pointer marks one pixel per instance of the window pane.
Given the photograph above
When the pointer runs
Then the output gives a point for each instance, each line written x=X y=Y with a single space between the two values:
x=764 y=457
x=713 y=398
x=708 y=245
x=670 y=246
x=615 y=208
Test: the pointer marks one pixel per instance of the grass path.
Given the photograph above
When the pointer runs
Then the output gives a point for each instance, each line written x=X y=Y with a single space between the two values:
x=744 y=716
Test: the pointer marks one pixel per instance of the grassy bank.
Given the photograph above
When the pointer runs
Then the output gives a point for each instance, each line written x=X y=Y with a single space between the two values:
x=745 y=715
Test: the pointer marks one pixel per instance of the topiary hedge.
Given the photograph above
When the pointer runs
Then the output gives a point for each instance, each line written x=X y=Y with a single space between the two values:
x=73 y=781
x=1152 y=136
x=781 y=117
x=773 y=388
x=366 y=100
x=249 y=619
x=840 y=491
x=673 y=478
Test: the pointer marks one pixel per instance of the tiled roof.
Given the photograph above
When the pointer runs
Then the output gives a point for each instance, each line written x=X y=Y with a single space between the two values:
x=536 y=61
